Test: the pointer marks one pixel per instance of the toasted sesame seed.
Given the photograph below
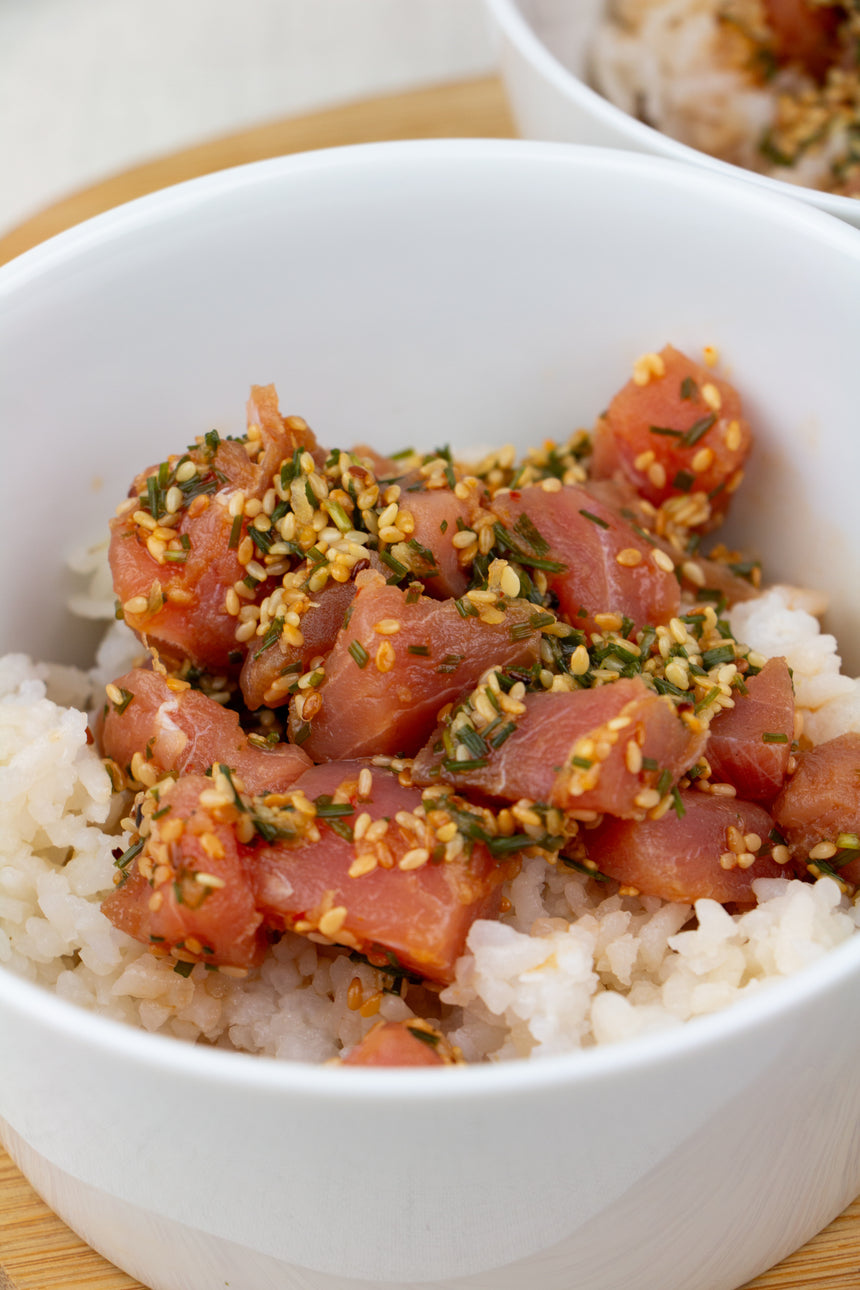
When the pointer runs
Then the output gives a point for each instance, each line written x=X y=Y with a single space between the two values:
x=388 y=626
x=735 y=839
x=662 y=560
x=645 y=459
x=210 y=880
x=136 y=605
x=752 y=842
x=414 y=859
x=608 y=622
x=781 y=854
x=186 y=471
x=677 y=674
x=333 y=920
x=354 y=994
x=733 y=436
x=579 y=661
x=385 y=657
x=711 y=395
x=633 y=757
x=647 y=798
x=656 y=475
x=702 y=460
x=711 y=355
x=693 y=573
x=371 y=1006
x=646 y=367
x=551 y=484
x=211 y=844
x=629 y=557
x=509 y=582
x=823 y=851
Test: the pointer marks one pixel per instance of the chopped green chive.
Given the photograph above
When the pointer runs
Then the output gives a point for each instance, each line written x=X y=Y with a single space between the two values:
x=359 y=653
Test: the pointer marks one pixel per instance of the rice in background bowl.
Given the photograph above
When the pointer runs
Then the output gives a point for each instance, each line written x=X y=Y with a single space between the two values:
x=571 y=78
x=440 y=315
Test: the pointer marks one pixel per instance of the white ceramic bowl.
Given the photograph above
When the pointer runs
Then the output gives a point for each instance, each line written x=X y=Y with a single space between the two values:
x=480 y=291
x=543 y=52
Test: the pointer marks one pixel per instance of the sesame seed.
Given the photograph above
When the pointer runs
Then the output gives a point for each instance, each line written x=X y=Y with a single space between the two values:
x=210 y=880
x=711 y=395
x=387 y=626
x=633 y=757
x=646 y=367
x=629 y=557
x=693 y=573
x=711 y=355
x=644 y=459
x=509 y=582
x=332 y=921
x=414 y=859
x=136 y=605
x=579 y=661
x=657 y=475
x=648 y=798
x=823 y=851
x=211 y=844
x=385 y=657
x=463 y=539
x=354 y=994
x=781 y=854
x=733 y=436
x=702 y=460
x=186 y=471
x=662 y=560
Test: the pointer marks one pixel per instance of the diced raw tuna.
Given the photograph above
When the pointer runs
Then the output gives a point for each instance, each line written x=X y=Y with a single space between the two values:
x=177 y=729
x=172 y=580
x=266 y=668
x=382 y=895
x=680 y=432
x=419 y=915
x=398 y=1043
x=194 y=894
x=696 y=572
x=821 y=804
x=601 y=564
x=750 y=744
x=397 y=662
x=679 y=858
x=436 y=513
x=588 y=750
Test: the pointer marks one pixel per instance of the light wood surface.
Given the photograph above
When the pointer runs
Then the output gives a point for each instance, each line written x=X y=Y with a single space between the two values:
x=37 y=1250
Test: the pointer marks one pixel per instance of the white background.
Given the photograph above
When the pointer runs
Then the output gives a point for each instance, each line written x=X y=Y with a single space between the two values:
x=92 y=87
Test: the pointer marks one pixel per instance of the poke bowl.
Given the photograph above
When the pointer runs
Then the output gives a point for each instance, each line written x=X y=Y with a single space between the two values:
x=585 y=1114
x=743 y=88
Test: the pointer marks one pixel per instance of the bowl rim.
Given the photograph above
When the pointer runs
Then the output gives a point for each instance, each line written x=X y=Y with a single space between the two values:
x=511 y=20
x=35 y=1004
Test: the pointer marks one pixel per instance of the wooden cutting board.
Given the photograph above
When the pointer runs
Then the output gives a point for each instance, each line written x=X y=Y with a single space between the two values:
x=37 y=1250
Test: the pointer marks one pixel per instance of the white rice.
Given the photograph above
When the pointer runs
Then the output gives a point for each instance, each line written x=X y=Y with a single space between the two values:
x=673 y=65
x=572 y=964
